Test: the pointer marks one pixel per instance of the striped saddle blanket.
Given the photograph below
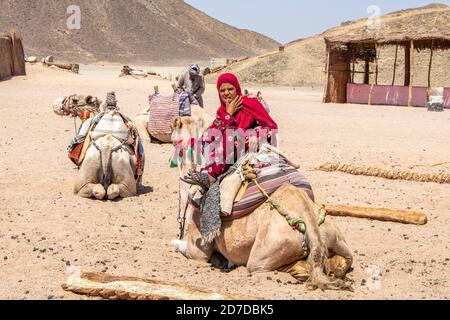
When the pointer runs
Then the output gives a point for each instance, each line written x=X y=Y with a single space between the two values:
x=163 y=109
x=270 y=178
x=114 y=124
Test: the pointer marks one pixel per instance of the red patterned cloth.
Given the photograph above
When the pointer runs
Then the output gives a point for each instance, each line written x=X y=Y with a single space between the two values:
x=251 y=116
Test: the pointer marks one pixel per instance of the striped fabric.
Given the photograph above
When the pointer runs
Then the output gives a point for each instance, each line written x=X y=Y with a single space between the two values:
x=270 y=178
x=112 y=123
x=185 y=104
x=163 y=109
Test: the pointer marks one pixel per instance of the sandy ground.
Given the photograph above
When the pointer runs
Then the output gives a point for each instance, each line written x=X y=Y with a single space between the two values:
x=44 y=228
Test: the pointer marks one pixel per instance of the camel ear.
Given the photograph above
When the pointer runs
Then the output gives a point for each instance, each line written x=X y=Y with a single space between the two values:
x=176 y=123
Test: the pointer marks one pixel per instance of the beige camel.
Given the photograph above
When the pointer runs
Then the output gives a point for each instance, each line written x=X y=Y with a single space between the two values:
x=263 y=241
x=199 y=118
x=75 y=105
x=108 y=170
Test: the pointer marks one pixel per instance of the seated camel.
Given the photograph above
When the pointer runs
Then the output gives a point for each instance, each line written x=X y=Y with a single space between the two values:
x=112 y=157
x=164 y=131
x=263 y=241
x=80 y=106
x=108 y=169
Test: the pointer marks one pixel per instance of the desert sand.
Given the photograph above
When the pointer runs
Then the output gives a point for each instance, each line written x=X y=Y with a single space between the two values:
x=44 y=228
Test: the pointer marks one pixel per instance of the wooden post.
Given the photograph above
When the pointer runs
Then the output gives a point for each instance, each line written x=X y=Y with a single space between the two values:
x=407 y=65
x=326 y=97
x=376 y=63
x=431 y=62
x=353 y=64
x=367 y=71
x=411 y=74
x=338 y=75
x=18 y=54
x=395 y=64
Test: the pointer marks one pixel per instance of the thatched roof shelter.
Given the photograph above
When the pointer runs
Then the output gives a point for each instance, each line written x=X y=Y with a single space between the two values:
x=345 y=50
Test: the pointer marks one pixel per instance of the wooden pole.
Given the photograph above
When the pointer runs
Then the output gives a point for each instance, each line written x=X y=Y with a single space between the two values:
x=381 y=214
x=411 y=74
x=353 y=64
x=395 y=64
x=407 y=66
x=326 y=96
x=376 y=63
x=431 y=62
x=367 y=71
x=376 y=76
x=132 y=288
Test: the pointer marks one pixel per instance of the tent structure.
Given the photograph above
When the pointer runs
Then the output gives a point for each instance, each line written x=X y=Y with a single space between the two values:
x=12 y=58
x=345 y=51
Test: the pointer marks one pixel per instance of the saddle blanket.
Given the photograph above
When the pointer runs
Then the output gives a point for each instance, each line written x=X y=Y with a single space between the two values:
x=270 y=178
x=112 y=123
x=163 y=109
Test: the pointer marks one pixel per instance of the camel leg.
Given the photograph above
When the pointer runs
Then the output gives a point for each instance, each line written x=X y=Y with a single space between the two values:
x=113 y=192
x=318 y=257
x=191 y=247
x=343 y=259
x=340 y=257
x=277 y=246
x=300 y=270
x=141 y=124
x=123 y=183
x=92 y=190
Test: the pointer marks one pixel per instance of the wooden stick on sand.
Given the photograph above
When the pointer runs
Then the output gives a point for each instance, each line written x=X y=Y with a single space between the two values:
x=400 y=216
x=131 y=288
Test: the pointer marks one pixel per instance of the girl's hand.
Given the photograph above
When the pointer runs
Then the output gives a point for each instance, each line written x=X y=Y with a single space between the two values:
x=234 y=106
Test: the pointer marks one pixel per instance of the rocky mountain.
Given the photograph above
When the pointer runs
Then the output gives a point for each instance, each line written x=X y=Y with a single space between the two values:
x=160 y=31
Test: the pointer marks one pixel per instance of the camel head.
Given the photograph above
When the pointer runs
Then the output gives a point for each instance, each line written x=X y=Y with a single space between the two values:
x=186 y=132
x=75 y=105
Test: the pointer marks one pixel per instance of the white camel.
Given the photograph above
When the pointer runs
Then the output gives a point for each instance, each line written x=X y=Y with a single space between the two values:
x=108 y=170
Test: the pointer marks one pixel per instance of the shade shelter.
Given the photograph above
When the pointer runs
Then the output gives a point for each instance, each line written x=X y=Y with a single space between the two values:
x=346 y=51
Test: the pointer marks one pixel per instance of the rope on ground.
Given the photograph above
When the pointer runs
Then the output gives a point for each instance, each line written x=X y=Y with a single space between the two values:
x=393 y=174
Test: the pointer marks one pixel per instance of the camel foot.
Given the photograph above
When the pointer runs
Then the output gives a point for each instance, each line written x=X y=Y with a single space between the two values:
x=300 y=270
x=181 y=246
x=99 y=192
x=338 y=266
x=324 y=283
x=113 y=192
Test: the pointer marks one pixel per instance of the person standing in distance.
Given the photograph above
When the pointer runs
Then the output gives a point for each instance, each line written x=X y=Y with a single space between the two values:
x=192 y=80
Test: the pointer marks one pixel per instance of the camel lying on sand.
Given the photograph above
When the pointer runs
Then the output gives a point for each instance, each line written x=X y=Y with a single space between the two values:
x=263 y=241
x=108 y=169
x=75 y=105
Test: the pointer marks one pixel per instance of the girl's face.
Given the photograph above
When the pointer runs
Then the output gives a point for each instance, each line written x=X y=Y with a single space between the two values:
x=227 y=93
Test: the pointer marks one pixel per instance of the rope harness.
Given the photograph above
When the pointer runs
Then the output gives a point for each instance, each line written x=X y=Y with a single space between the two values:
x=181 y=219
x=292 y=219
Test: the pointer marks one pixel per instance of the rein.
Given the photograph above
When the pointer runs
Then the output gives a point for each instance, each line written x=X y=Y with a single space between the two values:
x=295 y=222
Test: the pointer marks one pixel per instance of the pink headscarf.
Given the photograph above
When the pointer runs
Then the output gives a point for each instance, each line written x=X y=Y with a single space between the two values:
x=251 y=111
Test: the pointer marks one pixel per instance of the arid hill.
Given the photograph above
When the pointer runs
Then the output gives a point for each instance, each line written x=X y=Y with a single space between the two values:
x=161 y=31
x=303 y=62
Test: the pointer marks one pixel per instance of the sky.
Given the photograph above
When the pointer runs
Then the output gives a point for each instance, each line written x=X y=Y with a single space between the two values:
x=288 y=20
